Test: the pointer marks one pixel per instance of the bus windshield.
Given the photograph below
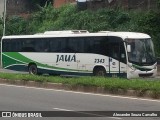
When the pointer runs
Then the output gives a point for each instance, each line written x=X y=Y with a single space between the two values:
x=141 y=51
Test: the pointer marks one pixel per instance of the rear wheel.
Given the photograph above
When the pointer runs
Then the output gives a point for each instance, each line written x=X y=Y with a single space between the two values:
x=33 y=69
x=99 y=71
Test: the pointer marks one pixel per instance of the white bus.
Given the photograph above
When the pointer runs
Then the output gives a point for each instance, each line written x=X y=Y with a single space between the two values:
x=105 y=53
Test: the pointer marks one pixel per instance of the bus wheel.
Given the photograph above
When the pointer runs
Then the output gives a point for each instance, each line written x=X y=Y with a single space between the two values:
x=32 y=69
x=99 y=71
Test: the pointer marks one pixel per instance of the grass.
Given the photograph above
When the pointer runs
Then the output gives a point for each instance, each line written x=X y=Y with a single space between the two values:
x=107 y=83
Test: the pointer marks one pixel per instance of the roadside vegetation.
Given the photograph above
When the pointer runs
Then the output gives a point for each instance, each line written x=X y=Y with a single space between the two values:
x=111 y=84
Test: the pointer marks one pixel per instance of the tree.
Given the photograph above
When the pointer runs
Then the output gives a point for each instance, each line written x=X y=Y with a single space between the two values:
x=1 y=27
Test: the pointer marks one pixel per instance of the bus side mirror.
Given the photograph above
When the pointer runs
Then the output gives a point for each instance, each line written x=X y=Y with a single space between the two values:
x=128 y=48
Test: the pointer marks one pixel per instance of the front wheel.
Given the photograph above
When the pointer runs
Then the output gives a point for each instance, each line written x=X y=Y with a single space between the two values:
x=33 y=69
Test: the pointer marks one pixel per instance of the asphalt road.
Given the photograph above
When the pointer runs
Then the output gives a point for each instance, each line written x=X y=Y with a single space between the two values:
x=14 y=98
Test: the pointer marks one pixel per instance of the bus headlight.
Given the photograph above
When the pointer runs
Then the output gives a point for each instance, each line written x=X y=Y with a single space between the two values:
x=131 y=67
x=155 y=66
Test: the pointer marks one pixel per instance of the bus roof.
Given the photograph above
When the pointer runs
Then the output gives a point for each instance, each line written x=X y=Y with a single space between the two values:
x=123 y=35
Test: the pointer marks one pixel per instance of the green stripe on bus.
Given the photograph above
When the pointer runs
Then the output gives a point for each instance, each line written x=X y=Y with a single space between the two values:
x=7 y=61
x=17 y=58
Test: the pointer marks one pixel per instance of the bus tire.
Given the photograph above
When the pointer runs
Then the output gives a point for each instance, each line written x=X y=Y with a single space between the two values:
x=99 y=71
x=33 y=69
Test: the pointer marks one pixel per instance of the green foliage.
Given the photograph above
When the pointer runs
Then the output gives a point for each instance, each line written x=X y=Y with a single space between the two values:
x=158 y=3
x=149 y=23
x=1 y=27
x=112 y=84
x=69 y=17
x=16 y=25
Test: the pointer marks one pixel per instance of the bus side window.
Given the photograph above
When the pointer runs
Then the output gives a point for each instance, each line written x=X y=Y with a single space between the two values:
x=117 y=50
x=75 y=44
x=122 y=53
x=28 y=49
x=56 y=44
x=5 y=46
x=28 y=46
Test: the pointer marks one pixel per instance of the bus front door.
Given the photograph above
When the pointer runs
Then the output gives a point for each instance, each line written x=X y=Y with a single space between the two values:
x=114 y=56
x=117 y=58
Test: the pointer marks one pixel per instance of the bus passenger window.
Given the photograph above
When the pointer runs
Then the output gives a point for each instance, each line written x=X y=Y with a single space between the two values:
x=115 y=51
x=28 y=49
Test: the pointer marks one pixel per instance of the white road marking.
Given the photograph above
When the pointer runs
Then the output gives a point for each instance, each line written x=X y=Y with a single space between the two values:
x=84 y=93
x=60 y=109
x=97 y=115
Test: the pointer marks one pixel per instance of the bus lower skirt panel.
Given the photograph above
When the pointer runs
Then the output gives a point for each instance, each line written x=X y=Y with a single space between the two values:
x=24 y=68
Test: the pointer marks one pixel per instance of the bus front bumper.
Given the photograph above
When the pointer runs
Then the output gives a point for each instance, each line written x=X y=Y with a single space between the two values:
x=137 y=73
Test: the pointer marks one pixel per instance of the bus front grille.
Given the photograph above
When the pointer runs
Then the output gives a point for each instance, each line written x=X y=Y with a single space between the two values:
x=146 y=75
